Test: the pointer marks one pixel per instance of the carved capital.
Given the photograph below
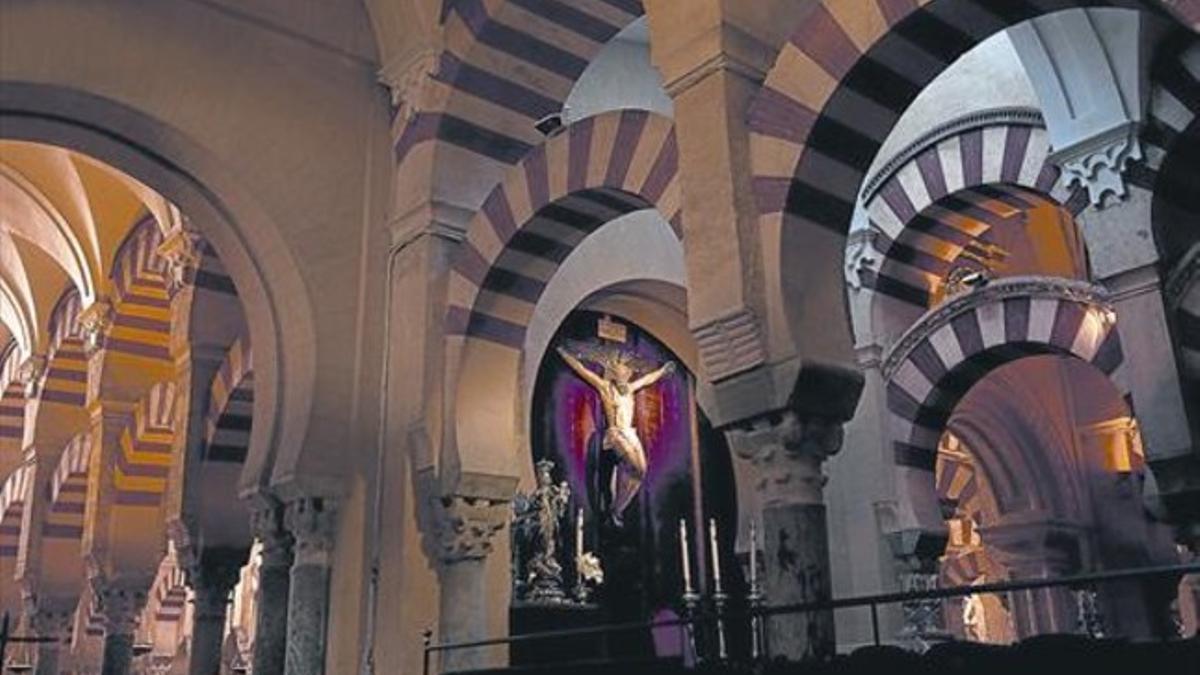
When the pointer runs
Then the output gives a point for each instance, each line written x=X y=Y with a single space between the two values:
x=410 y=82
x=30 y=374
x=730 y=344
x=788 y=451
x=183 y=251
x=121 y=605
x=1099 y=163
x=47 y=619
x=212 y=573
x=312 y=522
x=466 y=526
x=861 y=257
x=267 y=523
x=95 y=322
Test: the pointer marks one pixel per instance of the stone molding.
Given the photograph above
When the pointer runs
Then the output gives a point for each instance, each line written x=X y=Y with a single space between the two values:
x=182 y=250
x=730 y=344
x=1099 y=163
x=716 y=63
x=788 y=451
x=312 y=522
x=1015 y=116
x=466 y=526
x=995 y=291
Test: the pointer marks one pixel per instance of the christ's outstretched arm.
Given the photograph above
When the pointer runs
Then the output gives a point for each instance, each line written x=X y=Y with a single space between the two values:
x=580 y=369
x=653 y=376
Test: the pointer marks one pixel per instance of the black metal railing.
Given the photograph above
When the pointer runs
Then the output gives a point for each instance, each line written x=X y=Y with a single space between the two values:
x=430 y=649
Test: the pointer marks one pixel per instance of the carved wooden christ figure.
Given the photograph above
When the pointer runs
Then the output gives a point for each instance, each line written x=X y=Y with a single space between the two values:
x=617 y=392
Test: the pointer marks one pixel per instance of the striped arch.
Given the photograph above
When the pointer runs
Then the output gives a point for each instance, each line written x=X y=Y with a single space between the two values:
x=68 y=491
x=599 y=168
x=506 y=64
x=1174 y=104
x=840 y=84
x=143 y=464
x=141 y=325
x=12 y=414
x=65 y=377
x=230 y=406
x=1184 y=297
x=943 y=195
x=954 y=346
x=14 y=494
x=836 y=90
x=168 y=595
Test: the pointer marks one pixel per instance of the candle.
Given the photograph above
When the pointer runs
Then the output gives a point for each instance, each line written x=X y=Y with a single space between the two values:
x=578 y=537
x=753 y=554
x=716 y=558
x=683 y=555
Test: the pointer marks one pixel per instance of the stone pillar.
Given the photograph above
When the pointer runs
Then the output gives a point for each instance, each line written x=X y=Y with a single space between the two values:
x=274 y=582
x=465 y=531
x=312 y=522
x=788 y=451
x=121 y=606
x=212 y=576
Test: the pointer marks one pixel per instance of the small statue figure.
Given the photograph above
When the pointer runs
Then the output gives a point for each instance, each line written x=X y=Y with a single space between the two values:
x=617 y=396
x=544 y=508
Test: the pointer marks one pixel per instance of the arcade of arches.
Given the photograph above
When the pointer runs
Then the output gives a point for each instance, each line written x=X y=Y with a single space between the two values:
x=292 y=302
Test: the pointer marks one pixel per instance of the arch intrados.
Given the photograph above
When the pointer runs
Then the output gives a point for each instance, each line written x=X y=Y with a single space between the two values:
x=245 y=238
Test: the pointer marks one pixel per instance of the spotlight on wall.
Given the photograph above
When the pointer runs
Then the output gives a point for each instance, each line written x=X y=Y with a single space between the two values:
x=974 y=279
x=552 y=124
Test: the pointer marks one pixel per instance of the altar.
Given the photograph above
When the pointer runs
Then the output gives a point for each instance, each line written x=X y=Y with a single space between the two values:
x=633 y=510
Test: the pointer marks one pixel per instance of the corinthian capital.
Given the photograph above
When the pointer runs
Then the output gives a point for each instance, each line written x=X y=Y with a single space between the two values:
x=96 y=320
x=267 y=522
x=466 y=526
x=788 y=450
x=313 y=524
x=30 y=374
x=410 y=81
x=183 y=251
x=1099 y=163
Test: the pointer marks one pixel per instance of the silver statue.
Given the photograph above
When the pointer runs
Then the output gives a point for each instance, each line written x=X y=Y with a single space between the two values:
x=617 y=396
x=537 y=516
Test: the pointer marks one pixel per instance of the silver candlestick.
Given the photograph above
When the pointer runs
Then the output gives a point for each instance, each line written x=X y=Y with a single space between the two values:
x=755 y=600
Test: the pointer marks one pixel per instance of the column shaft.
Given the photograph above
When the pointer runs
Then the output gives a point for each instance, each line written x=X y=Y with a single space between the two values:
x=788 y=453
x=311 y=521
x=274 y=583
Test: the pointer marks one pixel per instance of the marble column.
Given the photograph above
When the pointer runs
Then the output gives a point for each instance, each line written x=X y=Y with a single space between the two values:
x=211 y=576
x=312 y=522
x=274 y=581
x=466 y=528
x=788 y=452
x=121 y=606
